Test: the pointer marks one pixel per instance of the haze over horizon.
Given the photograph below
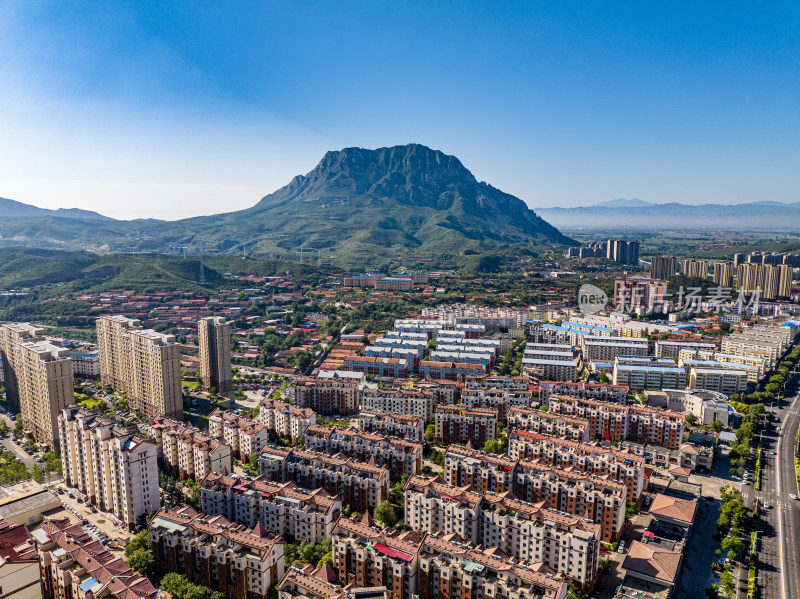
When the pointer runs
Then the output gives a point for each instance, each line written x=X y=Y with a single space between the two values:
x=149 y=110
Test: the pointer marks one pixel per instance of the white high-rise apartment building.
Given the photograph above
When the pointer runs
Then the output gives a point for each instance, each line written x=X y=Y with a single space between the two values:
x=141 y=363
x=113 y=466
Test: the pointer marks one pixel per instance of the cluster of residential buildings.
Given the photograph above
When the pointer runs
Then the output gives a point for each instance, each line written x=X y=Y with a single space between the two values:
x=616 y=250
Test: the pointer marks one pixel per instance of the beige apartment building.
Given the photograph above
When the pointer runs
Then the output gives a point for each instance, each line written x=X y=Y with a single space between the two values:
x=212 y=551
x=214 y=339
x=327 y=396
x=419 y=402
x=728 y=380
x=538 y=534
x=366 y=556
x=404 y=426
x=38 y=379
x=243 y=434
x=620 y=466
x=529 y=532
x=188 y=451
x=285 y=420
x=551 y=425
x=662 y=267
x=694 y=268
x=595 y=497
x=452 y=569
x=459 y=424
x=141 y=363
x=723 y=274
x=112 y=465
x=615 y=423
x=361 y=485
x=284 y=508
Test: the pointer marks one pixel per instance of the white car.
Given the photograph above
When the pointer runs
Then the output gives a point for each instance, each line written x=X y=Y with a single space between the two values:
x=621 y=546
x=793 y=496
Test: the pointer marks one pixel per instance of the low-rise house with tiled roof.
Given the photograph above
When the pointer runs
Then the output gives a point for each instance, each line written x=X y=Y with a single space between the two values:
x=673 y=510
x=652 y=562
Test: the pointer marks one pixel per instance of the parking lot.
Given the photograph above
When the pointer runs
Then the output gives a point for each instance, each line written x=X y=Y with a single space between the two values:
x=98 y=524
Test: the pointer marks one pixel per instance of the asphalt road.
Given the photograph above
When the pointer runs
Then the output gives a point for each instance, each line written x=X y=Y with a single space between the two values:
x=779 y=554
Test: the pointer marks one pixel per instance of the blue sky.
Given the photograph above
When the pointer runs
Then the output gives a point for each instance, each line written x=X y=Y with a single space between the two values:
x=156 y=109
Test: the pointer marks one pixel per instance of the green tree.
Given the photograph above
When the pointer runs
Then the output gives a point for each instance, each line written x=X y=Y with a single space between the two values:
x=3 y=427
x=733 y=545
x=727 y=587
x=141 y=561
x=430 y=433
x=18 y=427
x=692 y=419
x=37 y=474
x=325 y=559
x=493 y=446
x=140 y=541
x=385 y=514
x=716 y=426
x=252 y=464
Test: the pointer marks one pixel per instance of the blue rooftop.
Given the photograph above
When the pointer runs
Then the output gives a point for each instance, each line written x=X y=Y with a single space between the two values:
x=553 y=327
x=649 y=368
x=586 y=326
x=89 y=583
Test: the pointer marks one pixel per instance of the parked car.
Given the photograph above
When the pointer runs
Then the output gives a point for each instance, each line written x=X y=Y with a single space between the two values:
x=621 y=546
x=793 y=496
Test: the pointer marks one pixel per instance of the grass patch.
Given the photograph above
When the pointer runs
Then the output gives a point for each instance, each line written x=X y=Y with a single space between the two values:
x=198 y=420
x=93 y=404
x=191 y=384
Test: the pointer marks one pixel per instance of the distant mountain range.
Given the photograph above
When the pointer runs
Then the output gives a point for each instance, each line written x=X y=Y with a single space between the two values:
x=14 y=209
x=356 y=204
x=638 y=214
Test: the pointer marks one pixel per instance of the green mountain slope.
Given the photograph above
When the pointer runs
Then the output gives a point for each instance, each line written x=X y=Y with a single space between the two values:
x=358 y=200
